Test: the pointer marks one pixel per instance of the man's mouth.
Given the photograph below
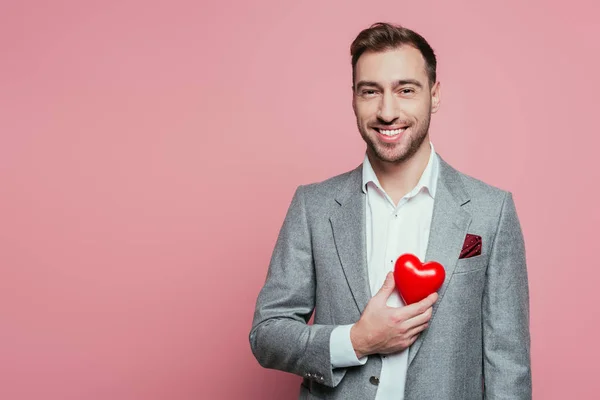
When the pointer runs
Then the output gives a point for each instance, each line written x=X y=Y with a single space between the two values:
x=390 y=132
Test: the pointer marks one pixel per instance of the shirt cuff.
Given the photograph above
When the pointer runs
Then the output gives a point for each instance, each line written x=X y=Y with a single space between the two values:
x=341 y=350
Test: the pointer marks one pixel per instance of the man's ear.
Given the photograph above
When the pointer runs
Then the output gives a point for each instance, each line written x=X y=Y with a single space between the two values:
x=353 y=100
x=435 y=97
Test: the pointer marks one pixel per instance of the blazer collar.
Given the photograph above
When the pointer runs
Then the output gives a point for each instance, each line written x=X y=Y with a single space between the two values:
x=448 y=177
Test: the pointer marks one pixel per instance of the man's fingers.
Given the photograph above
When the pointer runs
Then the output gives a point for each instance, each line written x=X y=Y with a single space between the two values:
x=422 y=306
x=387 y=288
x=416 y=331
x=429 y=300
x=417 y=308
x=406 y=342
x=417 y=320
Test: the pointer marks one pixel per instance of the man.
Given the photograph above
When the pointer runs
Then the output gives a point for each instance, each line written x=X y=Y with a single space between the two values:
x=340 y=240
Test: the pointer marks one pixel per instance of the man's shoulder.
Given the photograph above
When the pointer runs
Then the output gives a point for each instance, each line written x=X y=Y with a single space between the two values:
x=476 y=187
x=331 y=186
x=333 y=183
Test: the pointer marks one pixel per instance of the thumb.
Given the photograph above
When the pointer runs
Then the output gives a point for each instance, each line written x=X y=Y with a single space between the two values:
x=388 y=286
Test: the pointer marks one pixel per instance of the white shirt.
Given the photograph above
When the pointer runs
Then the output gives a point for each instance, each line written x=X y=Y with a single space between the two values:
x=391 y=231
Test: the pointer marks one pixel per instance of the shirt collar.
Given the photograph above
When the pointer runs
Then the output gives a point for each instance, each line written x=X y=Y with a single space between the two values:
x=428 y=179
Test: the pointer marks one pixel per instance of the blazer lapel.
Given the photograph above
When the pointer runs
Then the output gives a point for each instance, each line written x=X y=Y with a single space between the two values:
x=348 y=224
x=449 y=226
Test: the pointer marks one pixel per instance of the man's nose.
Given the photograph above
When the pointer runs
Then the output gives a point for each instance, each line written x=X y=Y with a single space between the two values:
x=387 y=108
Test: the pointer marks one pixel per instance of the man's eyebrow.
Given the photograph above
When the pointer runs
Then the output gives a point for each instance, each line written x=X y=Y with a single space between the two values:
x=367 y=83
x=401 y=82
x=415 y=82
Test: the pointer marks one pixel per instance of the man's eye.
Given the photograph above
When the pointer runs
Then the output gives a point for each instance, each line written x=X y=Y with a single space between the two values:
x=368 y=92
x=407 y=91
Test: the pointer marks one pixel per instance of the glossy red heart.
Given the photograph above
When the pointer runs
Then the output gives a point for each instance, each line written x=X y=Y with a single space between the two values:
x=416 y=280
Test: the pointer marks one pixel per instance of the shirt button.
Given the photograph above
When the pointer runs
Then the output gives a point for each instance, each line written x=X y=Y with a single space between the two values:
x=374 y=380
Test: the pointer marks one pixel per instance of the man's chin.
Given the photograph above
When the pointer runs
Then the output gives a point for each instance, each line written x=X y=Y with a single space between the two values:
x=390 y=157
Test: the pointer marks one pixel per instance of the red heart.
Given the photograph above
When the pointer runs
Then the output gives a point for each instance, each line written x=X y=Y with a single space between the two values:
x=416 y=280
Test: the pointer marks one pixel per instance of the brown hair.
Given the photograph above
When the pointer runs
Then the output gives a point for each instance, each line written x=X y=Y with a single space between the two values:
x=382 y=36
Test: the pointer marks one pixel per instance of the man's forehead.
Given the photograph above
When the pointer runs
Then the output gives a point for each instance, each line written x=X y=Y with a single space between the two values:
x=392 y=64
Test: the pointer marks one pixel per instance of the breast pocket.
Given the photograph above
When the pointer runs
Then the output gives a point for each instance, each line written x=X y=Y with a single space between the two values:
x=471 y=264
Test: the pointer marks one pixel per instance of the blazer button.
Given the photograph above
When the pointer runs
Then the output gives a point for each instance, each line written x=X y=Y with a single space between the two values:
x=374 y=380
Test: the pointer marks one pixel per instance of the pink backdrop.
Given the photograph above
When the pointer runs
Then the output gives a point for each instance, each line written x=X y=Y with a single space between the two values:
x=148 y=154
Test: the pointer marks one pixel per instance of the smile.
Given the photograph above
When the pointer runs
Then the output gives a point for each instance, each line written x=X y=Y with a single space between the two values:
x=390 y=132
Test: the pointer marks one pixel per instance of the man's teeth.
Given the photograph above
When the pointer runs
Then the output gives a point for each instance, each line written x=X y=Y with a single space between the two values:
x=391 y=132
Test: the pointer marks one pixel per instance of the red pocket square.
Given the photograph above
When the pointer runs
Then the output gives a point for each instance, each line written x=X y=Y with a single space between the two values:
x=471 y=247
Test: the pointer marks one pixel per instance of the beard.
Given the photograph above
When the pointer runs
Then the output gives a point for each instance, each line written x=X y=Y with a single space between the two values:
x=397 y=153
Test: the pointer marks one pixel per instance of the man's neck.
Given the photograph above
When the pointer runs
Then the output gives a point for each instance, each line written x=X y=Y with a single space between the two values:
x=399 y=179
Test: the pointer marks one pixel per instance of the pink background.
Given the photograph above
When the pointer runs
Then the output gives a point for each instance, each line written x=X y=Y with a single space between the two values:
x=149 y=152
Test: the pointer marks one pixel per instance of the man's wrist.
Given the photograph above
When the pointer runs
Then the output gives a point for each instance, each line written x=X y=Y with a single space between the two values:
x=358 y=342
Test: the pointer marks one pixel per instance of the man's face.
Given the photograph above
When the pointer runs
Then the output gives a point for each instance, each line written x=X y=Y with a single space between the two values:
x=393 y=102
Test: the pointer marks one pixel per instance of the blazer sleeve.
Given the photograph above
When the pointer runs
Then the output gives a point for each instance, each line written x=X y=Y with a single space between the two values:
x=505 y=308
x=281 y=337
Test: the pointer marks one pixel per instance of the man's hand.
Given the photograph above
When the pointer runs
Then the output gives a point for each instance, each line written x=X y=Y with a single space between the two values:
x=385 y=330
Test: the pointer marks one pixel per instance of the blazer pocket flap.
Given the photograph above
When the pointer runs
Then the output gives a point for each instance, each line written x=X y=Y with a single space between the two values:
x=470 y=264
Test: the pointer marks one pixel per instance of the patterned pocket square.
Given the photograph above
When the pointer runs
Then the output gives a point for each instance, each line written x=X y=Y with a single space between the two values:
x=471 y=247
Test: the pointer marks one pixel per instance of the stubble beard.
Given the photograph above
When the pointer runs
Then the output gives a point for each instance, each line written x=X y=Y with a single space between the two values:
x=379 y=149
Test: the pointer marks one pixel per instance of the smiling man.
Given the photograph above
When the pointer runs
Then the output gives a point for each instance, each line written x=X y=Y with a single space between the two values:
x=341 y=238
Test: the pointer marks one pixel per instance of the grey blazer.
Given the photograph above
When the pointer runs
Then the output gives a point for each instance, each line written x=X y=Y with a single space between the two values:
x=477 y=344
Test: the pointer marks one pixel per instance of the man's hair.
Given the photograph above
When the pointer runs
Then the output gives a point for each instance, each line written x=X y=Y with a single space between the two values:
x=382 y=36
